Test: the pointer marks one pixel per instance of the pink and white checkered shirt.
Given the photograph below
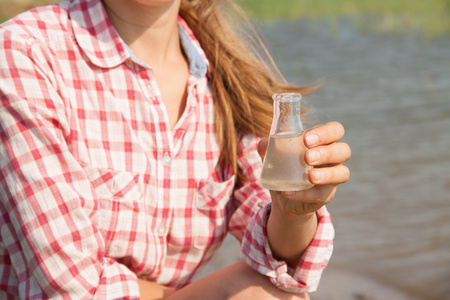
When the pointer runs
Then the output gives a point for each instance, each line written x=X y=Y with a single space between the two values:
x=96 y=189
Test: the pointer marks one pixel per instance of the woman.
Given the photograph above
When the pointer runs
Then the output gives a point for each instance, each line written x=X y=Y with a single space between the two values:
x=130 y=134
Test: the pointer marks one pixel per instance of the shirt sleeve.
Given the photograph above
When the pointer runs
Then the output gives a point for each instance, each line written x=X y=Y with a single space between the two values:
x=49 y=240
x=249 y=223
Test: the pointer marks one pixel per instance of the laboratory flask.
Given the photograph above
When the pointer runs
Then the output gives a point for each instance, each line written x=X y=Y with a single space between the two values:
x=284 y=167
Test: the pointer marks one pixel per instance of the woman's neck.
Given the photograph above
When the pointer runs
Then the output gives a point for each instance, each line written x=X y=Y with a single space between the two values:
x=150 y=31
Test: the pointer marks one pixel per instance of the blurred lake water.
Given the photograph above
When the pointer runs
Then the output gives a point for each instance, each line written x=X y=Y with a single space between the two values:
x=391 y=91
x=392 y=94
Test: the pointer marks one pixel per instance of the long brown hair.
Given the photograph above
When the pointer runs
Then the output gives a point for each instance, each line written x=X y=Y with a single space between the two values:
x=242 y=82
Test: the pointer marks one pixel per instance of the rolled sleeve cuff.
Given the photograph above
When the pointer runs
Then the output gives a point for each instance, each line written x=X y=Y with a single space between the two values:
x=256 y=252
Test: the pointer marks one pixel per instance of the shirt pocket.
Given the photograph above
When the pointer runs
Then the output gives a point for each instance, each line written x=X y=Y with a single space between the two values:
x=213 y=206
x=121 y=201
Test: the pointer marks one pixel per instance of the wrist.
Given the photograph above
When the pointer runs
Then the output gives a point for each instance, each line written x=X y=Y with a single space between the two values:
x=290 y=235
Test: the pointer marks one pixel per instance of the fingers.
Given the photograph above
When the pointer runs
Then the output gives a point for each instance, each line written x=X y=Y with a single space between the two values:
x=336 y=153
x=324 y=134
x=327 y=155
x=332 y=175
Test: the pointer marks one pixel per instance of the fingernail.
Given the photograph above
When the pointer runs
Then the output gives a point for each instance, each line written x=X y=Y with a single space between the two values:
x=313 y=155
x=312 y=139
x=318 y=175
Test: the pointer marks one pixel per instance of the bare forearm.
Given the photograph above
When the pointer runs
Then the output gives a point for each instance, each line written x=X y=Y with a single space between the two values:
x=290 y=236
x=152 y=291
x=236 y=282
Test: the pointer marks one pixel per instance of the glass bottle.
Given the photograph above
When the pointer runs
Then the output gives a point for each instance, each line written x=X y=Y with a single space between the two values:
x=284 y=167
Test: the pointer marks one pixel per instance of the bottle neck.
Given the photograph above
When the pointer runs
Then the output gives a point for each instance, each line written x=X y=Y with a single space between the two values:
x=286 y=118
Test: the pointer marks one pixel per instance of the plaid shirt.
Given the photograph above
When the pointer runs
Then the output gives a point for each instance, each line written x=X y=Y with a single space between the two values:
x=96 y=189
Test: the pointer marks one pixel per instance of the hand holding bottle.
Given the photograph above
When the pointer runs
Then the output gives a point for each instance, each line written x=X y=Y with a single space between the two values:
x=327 y=155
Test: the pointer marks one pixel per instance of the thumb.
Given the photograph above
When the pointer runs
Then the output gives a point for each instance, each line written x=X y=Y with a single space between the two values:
x=262 y=146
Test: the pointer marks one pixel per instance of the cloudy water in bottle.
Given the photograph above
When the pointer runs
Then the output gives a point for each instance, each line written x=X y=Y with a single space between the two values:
x=284 y=166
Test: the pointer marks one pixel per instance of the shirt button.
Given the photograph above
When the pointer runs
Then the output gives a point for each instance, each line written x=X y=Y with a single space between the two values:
x=166 y=160
x=161 y=230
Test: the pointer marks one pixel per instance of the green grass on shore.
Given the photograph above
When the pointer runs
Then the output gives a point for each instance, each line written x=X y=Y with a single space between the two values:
x=10 y=8
x=430 y=17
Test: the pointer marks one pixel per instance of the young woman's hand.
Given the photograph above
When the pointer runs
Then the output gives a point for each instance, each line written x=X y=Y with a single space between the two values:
x=327 y=155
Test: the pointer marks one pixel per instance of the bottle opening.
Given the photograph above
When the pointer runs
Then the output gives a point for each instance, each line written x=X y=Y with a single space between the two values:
x=287 y=97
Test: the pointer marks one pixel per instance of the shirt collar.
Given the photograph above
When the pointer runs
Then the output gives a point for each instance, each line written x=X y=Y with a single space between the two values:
x=100 y=42
x=198 y=62
x=95 y=34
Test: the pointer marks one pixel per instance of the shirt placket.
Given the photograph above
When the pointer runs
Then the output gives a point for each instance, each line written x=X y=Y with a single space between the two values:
x=167 y=145
x=191 y=105
x=161 y=159
x=175 y=182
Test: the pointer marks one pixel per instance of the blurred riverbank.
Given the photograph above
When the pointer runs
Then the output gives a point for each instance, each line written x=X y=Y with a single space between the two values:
x=430 y=18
